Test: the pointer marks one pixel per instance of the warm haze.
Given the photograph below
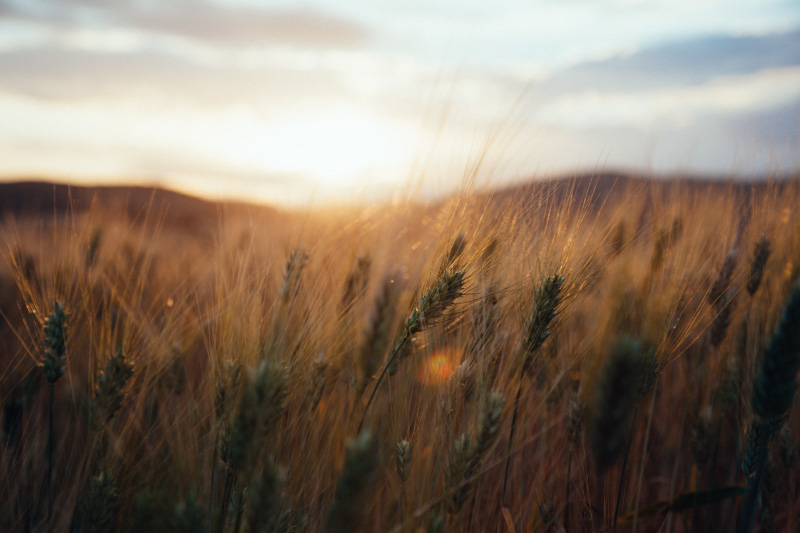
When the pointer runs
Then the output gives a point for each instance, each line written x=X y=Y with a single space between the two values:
x=346 y=101
x=285 y=335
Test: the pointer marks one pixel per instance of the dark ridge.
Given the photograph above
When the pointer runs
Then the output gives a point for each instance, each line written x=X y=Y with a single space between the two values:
x=138 y=203
x=592 y=191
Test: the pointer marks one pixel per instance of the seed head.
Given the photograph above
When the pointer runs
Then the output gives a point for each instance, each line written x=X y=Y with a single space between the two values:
x=774 y=387
x=108 y=395
x=615 y=397
x=761 y=253
x=545 y=308
x=54 y=361
x=403 y=455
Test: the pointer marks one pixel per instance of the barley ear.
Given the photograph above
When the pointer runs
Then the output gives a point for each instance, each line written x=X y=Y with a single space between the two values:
x=227 y=381
x=108 y=395
x=360 y=469
x=484 y=321
x=575 y=414
x=614 y=400
x=456 y=249
x=356 y=283
x=489 y=426
x=545 y=308
x=293 y=274
x=761 y=253
x=724 y=307
x=317 y=380
x=98 y=512
x=432 y=306
x=378 y=333
x=54 y=360
x=462 y=454
x=403 y=455
x=773 y=394
x=264 y=498
x=774 y=387
x=259 y=408
x=723 y=279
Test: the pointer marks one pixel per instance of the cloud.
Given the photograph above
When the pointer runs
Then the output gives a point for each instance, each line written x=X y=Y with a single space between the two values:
x=672 y=106
x=68 y=75
x=242 y=25
x=688 y=62
x=200 y=20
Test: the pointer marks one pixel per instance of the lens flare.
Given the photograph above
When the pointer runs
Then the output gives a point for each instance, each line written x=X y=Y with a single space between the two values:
x=439 y=367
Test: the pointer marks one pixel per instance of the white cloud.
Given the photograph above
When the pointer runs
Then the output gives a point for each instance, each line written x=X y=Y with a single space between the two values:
x=674 y=107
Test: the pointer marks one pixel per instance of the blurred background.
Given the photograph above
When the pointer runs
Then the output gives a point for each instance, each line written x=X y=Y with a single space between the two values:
x=354 y=101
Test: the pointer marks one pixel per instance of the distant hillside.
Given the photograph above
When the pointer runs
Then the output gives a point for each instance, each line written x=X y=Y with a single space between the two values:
x=586 y=191
x=594 y=190
x=38 y=198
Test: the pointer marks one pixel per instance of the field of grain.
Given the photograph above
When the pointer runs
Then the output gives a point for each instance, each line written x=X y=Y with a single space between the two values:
x=590 y=355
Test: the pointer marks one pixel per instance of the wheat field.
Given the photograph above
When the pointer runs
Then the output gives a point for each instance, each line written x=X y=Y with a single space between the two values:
x=559 y=357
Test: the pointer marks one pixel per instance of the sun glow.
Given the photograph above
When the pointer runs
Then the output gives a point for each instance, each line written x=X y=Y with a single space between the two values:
x=335 y=148
x=439 y=367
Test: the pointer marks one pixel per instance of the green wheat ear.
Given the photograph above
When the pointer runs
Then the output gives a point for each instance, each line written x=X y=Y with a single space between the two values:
x=489 y=426
x=292 y=274
x=545 y=308
x=109 y=393
x=260 y=407
x=773 y=394
x=614 y=400
x=761 y=253
x=377 y=335
x=467 y=453
x=54 y=360
x=774 y=387
x=360 y=468
x=264 y=498
x=403 y=456
x=462 y=453
x=100 y=505
x=432 y=306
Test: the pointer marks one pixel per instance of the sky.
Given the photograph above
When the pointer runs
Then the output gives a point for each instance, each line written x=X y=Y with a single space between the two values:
x=352 y=100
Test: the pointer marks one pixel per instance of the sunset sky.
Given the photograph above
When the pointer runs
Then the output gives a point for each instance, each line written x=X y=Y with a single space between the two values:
x=304 y=103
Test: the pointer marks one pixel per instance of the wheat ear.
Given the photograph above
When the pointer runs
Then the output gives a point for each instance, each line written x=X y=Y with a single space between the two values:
x=100 y=505
x=54 y=364
x=109 y=394
x=377 y=335
x=773 y=394
x=761 y=253
x=432 y=306
x=545 y=307
x=262 y=512
x=360 y=468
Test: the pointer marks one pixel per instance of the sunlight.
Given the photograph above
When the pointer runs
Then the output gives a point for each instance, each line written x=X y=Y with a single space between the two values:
x=334 y=148
x=439 y=367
